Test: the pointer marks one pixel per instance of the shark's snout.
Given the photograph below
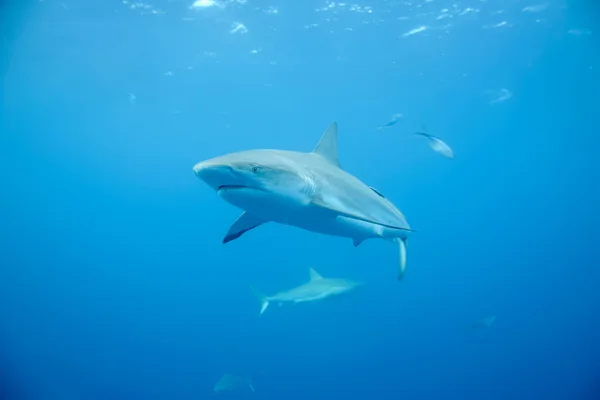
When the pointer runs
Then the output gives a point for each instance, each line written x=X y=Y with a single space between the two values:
x=198 y=168
x=215 y=173
x=203 y=167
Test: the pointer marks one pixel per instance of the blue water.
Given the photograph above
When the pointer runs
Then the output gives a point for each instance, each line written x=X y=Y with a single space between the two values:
x=114 y=283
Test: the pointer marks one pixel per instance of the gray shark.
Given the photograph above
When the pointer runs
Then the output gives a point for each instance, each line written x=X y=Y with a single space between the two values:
x=317 y=288
x=306 y=190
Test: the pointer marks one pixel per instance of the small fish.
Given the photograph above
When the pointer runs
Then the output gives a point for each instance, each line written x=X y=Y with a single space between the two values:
x=499 y=96
x=230 y=382
x=437 y=144
x=395 y=118
x=415 y=31
x=485 y=322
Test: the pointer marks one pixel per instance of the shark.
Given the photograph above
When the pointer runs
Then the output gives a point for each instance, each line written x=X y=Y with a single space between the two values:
x=307 y=190
x=317 y=288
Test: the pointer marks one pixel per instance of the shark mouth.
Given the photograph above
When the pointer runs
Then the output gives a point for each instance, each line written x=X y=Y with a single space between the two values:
x=231 y=187
x=236 y=187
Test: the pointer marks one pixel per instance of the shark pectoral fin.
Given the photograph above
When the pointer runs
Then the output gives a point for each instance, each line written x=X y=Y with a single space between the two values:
x=402 y=261
x=314 y=274
x=243 y=224
x=251 y=387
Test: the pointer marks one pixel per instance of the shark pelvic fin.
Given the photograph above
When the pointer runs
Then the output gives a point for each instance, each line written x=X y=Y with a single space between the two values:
x=264 y=300
x=243 y=224
x=402 y=258
x=314 y=275
x=327 y=146
x=356 y=242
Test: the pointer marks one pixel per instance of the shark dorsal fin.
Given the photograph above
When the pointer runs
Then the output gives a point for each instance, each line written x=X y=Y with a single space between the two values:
x=327 y=147
x=314 y=274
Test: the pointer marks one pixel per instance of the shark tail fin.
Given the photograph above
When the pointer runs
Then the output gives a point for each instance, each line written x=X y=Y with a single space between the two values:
x=264 y=300
x=402 y=257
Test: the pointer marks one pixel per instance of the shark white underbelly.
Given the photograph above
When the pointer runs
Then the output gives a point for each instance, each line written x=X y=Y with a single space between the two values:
x=300 y=212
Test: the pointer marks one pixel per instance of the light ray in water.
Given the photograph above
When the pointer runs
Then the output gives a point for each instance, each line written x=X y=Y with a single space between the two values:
x=437 y=144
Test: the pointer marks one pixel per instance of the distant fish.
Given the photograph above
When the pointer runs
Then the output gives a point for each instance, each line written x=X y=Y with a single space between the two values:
x=229 y=382
x=499 y=96
x=395 y=118
x=437 y=144
x=535 y=8
x=485 y=322
x=198 y=4
x=415 y=31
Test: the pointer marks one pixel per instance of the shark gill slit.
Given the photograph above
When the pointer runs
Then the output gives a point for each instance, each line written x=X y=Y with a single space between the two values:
x=310 y=188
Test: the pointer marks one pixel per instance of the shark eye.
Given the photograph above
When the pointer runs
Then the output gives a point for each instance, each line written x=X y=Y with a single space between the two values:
x=255 y=169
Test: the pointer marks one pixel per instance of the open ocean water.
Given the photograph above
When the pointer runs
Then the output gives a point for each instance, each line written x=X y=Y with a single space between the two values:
x=115 y=284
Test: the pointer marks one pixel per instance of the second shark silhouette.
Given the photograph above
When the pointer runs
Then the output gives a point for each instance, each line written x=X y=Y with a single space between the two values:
x=317 y=288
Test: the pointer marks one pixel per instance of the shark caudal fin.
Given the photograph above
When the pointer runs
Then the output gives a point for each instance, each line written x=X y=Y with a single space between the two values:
x=402 y=257
x=264 y=300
